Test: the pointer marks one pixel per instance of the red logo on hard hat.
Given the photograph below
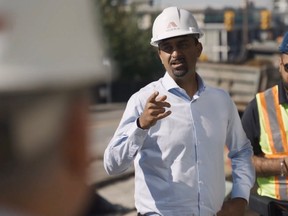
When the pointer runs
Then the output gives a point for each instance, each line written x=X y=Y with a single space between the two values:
x=172 y=25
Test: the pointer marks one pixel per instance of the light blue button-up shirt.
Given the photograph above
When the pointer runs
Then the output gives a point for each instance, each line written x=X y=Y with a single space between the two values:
x=179 y=162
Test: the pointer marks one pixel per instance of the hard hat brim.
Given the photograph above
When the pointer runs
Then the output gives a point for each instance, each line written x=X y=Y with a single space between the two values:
x=154 y=42
x=36 y=79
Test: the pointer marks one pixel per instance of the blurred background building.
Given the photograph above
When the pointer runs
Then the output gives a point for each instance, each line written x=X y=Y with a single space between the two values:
x=247 y=35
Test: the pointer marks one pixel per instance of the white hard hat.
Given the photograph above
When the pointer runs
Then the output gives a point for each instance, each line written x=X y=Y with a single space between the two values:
x=49 y=44
x=173 y=22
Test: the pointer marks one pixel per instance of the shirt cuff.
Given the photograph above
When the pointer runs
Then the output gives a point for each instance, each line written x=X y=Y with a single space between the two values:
x=241 y=191
x=136 y=140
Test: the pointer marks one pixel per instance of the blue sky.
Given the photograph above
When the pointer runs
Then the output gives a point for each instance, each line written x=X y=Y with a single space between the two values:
x=197 y=4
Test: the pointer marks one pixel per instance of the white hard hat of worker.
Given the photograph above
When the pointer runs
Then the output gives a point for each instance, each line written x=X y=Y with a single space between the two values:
x=48 y=44
x=173 y=22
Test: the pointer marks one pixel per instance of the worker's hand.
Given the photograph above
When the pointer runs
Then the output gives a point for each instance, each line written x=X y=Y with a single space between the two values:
x=154 y=110
x=286 y=166
x=235 y=207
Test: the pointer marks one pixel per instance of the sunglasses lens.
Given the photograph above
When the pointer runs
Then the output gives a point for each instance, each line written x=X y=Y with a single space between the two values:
x=286 y=67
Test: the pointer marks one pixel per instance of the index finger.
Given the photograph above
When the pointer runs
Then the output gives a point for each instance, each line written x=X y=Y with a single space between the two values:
x=153 y=97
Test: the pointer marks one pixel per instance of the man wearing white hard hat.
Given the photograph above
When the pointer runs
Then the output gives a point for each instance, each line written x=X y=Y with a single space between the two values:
x=50 y=55
x=175 y=130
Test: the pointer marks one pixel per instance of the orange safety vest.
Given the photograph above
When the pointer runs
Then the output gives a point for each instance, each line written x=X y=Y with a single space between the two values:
x=273 y=118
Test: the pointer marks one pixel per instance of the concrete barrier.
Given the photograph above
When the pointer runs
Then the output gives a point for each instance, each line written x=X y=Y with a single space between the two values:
x=242 y=82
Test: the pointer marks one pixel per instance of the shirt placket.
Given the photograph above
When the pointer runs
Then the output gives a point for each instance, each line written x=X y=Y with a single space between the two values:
x=197 y=158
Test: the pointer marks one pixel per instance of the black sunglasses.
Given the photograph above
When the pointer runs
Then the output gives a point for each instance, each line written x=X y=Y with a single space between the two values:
x=284 y=65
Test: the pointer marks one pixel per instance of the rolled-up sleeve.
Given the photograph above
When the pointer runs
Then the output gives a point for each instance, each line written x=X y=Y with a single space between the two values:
x=240 y=153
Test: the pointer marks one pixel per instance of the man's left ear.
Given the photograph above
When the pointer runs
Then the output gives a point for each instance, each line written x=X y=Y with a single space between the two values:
x=199 y=48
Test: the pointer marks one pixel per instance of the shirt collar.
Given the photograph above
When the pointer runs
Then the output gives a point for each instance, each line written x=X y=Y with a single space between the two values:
x=169 y=83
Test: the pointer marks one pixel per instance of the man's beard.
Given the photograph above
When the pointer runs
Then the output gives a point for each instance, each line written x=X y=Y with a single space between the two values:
x=179 y=73
x=285 y=85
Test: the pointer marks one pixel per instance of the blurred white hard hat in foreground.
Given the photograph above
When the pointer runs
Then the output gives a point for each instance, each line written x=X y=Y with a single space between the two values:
x=49 y=44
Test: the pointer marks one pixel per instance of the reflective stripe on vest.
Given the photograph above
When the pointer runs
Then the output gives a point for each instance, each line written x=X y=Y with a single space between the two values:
x=273 y=140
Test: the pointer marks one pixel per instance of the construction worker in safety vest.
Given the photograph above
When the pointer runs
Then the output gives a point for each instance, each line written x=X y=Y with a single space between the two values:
x=265 y=122
x=50 y=55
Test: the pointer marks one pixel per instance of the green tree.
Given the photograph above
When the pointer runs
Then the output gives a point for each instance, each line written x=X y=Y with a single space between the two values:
x=128 y=45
